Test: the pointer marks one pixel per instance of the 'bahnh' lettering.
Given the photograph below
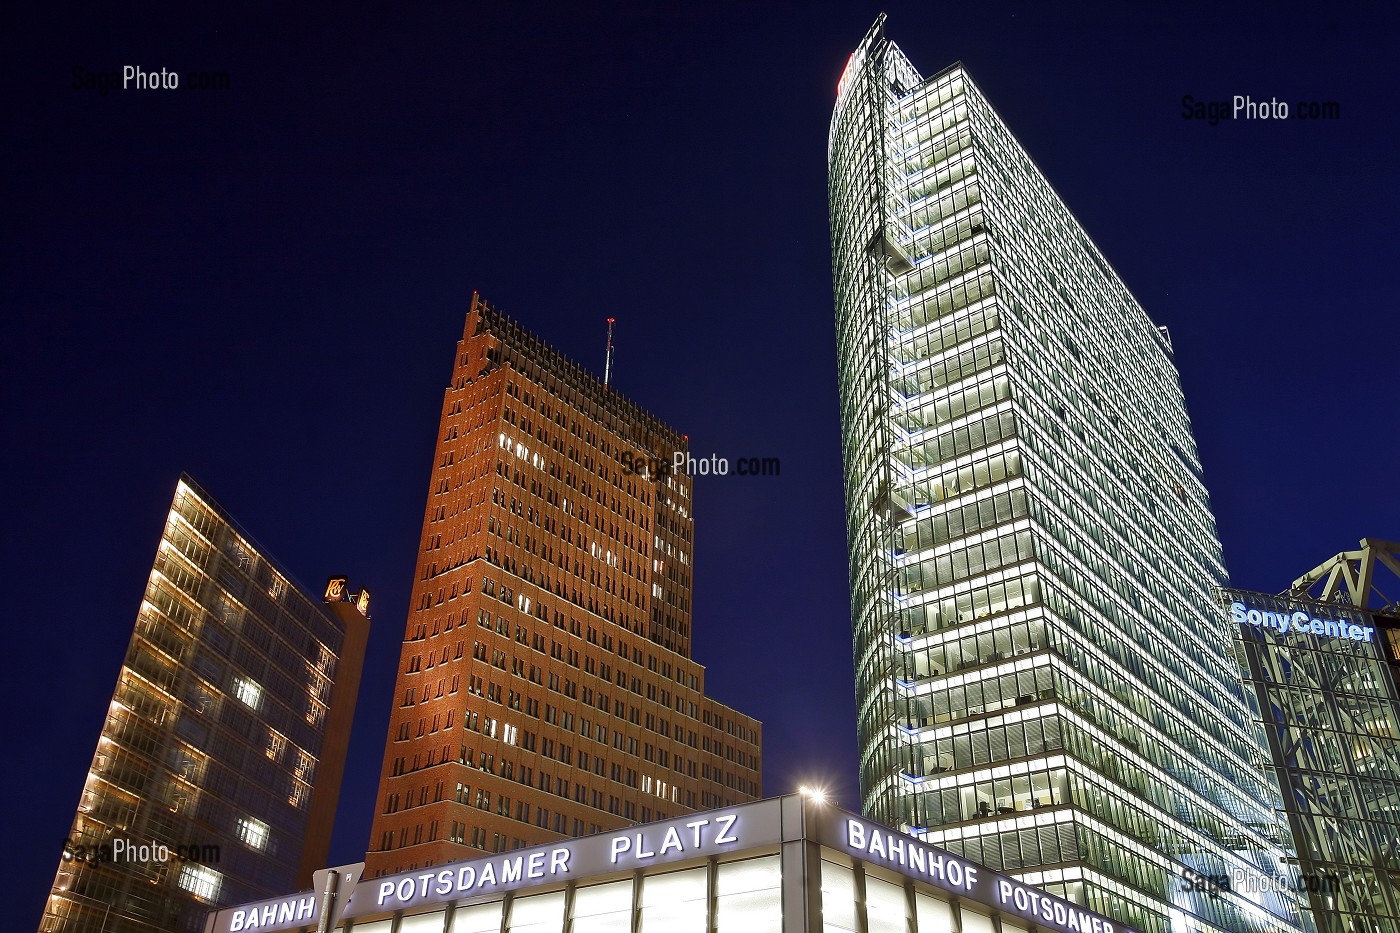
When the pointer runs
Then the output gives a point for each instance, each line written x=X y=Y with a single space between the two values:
x=279 y=914
x=944 y=870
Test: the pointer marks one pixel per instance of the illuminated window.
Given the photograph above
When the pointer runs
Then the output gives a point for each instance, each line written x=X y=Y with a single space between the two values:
x=973 y=922
x=253 y=832
x=202 y=882
x=604 y=908
x=885 y=907
x=483 y=918
x=248 y=692
x=276 y=743
x=422 y=923
x=674 y=902
x=539 y=913
x=747 y=896
x=934 y=914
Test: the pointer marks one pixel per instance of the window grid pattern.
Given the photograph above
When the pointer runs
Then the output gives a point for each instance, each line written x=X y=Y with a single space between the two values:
x=743 y=895
x=1031 y=543
x=1328 y=710
x=184 y=758
x=545 y=662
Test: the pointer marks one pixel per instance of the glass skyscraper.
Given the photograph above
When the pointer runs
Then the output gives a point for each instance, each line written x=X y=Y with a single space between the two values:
x=1043 y=681
x=217 y=774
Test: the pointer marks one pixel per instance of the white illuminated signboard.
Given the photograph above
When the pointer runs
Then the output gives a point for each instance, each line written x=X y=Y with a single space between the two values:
x=742 y=829
x=959 y=876
x=273 y=915
x=1298 y=622
x=698 y=835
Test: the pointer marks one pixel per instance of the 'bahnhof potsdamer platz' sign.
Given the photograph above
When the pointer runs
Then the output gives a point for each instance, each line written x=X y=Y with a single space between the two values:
x=785 y=865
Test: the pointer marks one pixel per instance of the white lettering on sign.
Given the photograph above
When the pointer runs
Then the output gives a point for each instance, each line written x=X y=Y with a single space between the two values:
x=640 y=846
x=1051 y=910
x=896 y=849
x=956 y=874
x=474 y=878
x=281 y=913
x=1299 y=622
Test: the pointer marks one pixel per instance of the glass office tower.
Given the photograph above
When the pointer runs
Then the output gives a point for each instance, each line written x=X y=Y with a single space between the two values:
x=1042 y=681
x=217 y=774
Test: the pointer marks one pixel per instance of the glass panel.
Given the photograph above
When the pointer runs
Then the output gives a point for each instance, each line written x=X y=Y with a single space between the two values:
x=934 y=916
x=749 y=896
x=838 y=898
x=424 y=923
x=542 y=913
x=481 y=918
x=203 y=883
x=674 y=902
x=604 y=908
x=378 y=926
x=885 y=907
x=973 y=922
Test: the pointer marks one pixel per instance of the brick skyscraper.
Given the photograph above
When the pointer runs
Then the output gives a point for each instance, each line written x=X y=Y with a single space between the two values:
x=546 y=687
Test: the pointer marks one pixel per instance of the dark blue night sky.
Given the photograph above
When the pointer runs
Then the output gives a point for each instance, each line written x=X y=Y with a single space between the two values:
x=263 y=286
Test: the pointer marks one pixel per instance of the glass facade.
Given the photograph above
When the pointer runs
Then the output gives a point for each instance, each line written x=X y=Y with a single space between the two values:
x=745 y=894
x=215 y=778
x=1040 y=681
x=1327 y=703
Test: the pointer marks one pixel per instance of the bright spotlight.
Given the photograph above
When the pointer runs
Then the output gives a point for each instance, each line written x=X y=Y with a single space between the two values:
x=814 y=794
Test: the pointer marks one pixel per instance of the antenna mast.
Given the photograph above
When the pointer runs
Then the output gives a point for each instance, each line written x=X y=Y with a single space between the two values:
x=607 y=363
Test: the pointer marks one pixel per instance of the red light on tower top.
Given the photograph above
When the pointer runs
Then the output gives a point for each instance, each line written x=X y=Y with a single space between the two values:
x=845 y=73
